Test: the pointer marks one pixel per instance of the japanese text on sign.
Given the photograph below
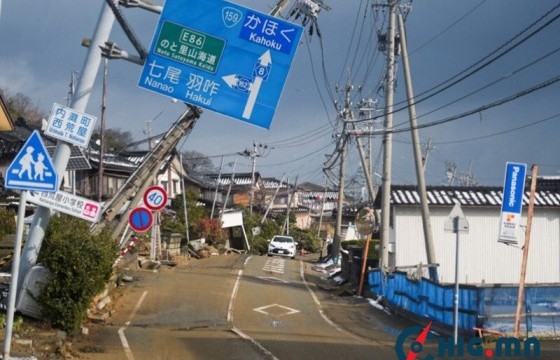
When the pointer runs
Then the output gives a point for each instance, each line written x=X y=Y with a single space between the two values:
x=189 y=47
x=67 y=203
x=267 y=32
x=70 y=125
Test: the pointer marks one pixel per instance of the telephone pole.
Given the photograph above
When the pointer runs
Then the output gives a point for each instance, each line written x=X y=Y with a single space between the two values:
x=388 y=139
x=426 y=223
x=345 y=114
x=257 y=151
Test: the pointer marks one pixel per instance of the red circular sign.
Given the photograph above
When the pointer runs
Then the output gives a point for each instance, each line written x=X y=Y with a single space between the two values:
x=155 y=198
x=140 y=219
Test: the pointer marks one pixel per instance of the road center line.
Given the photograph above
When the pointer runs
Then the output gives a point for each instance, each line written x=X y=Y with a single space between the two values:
x=235 y=330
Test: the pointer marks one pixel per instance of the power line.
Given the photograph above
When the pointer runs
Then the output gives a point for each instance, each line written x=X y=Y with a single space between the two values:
x=478 y=109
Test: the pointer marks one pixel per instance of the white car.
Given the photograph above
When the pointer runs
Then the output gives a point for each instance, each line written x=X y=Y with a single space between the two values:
x=282 y=245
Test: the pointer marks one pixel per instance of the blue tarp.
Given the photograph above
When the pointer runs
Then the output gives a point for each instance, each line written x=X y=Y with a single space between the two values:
x=488 y=307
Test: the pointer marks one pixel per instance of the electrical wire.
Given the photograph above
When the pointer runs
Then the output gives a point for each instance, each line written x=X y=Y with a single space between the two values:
x=499 y=102
x=452 y=25
x=481 y=63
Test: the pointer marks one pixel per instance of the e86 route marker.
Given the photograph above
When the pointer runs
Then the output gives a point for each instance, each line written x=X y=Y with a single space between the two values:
x=155 y=198
x=140 y=219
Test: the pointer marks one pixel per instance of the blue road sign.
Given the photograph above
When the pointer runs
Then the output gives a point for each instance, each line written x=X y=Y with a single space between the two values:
x=140 y=219
x=221 y=56
x=32 y=168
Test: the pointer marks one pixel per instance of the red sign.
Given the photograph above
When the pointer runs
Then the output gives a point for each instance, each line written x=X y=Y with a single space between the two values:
x=140 y=219
x=155 y=198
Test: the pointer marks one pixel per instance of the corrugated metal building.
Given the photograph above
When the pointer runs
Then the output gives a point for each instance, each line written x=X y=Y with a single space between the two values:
x=482 y=258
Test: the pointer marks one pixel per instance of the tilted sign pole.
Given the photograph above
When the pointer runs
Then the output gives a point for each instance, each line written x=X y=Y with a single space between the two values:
x=525 y=251
x=62 y=152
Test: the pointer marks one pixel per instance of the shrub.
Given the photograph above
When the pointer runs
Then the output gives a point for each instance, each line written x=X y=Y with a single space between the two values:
x=307 y=239
x=7 y=222
x=80 y=265
x=372 y=252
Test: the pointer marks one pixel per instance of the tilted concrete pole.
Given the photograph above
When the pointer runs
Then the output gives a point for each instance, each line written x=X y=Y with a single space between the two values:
x=62 y=151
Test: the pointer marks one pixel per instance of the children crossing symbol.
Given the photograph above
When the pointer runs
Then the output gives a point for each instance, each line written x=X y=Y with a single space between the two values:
x=32 y=169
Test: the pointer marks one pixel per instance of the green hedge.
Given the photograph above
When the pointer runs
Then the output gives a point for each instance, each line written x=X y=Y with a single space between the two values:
x=80 y=264
x=372 y=253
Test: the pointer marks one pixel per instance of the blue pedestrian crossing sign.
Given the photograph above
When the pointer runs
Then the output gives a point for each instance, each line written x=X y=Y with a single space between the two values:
x=32 y=168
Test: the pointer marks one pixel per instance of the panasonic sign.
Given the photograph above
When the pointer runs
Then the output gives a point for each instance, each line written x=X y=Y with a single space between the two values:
x=512 y=202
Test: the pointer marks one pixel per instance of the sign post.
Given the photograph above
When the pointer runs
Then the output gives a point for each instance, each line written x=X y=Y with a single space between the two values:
x=221 y=56
x=456 y=223
x=31 y=169
x=14 y=279
x=365 y=221
x=155 y=199
x=521 y=292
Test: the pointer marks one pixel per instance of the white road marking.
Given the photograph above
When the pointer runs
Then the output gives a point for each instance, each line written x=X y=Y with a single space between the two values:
x=275 y=265
x=124 y=342
x=235 y=330
x=288 y=311
x=319 y=306
x=253 y=341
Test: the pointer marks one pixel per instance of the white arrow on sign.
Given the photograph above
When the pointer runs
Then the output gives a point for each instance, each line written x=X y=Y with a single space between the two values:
x=264 y=61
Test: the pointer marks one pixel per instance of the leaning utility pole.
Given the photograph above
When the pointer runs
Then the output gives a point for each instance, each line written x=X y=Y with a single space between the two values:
x=343 y=143
x=62 y=151
x=102 y=132
x=387 y=140
x=426 y=223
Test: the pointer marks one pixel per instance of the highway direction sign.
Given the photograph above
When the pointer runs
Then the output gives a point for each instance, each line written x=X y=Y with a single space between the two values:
x=32 y=168
x=140 y=219
x=221 y=56
x=155 y=198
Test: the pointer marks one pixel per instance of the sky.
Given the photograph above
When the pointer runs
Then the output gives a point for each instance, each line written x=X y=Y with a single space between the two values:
x=502 y=103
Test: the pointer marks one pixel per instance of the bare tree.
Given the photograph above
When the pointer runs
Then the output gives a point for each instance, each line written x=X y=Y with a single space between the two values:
x=21 y=106
x=197 y=162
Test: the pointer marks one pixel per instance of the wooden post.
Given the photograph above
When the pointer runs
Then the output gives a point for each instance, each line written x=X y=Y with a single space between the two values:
x=364 y=262
x=525 y=251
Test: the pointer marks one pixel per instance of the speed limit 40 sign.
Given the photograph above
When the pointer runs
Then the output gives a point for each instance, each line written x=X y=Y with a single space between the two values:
x=155 y=198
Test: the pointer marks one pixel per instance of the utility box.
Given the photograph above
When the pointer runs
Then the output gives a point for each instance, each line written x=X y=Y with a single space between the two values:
x=34 y=282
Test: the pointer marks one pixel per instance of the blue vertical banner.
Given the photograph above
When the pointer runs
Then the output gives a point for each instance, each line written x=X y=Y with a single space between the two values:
x=512 y=202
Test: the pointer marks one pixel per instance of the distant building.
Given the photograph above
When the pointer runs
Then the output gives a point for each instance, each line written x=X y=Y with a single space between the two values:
x=482 y=258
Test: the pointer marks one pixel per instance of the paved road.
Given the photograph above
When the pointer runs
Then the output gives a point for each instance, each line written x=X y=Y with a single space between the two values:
x=247 y=307
x=234 y=307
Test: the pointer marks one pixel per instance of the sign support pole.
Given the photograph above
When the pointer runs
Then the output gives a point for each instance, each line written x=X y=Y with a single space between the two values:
x=525 y=251
x=62 y=152
x=14 y=280
x=456 y=292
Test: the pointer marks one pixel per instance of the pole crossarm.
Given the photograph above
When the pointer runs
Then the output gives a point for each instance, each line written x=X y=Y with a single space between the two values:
x=127 y=29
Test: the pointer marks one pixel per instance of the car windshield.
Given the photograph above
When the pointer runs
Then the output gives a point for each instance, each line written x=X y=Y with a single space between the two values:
x=283 y=239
